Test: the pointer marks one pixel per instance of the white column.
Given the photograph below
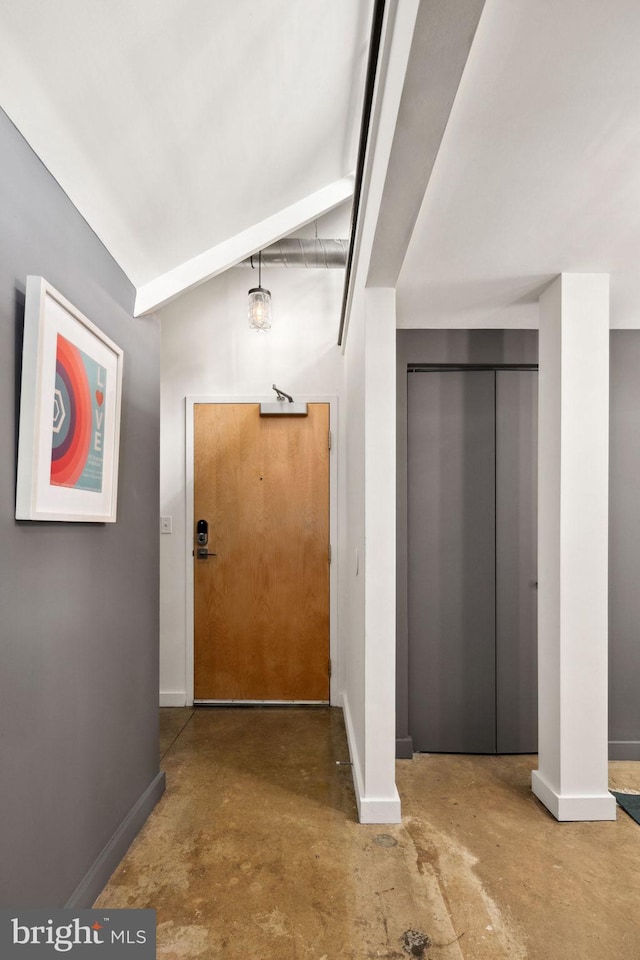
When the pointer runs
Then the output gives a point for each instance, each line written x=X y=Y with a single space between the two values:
x=573 y=523
x=380 y=803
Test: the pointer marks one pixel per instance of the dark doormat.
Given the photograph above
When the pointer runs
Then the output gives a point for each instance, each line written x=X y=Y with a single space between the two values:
x=630 y=803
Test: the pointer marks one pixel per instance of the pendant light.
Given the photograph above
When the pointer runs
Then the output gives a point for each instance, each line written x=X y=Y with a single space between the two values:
x=259 y=304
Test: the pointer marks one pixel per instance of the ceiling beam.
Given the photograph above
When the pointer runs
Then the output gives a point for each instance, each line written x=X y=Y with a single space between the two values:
x=442 y=39
x=155 y=294
x=393 y=60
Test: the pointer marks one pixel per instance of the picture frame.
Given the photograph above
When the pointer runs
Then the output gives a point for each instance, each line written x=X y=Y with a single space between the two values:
x=70 y=408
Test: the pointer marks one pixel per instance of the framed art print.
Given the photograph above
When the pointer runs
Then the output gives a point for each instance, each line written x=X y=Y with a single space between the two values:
x=69 y=413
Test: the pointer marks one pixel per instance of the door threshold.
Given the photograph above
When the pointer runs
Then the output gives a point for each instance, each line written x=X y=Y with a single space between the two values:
x=262 y=703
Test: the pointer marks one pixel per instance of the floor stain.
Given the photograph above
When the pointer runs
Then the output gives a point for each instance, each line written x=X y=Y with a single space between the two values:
x=469 y=905
x=181 y=942
x=274 y=923
x=385 y=840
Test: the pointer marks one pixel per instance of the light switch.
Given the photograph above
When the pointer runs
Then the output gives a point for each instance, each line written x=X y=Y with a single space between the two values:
x=166 y=524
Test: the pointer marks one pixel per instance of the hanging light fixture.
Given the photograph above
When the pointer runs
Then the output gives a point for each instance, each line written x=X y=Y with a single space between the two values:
x=259 y=303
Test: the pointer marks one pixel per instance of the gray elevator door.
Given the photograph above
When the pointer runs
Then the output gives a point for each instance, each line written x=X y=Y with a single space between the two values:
x=516 y=561
x=472 y=560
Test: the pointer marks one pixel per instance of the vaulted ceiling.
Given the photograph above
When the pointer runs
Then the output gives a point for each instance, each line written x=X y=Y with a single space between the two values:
x=189 y=132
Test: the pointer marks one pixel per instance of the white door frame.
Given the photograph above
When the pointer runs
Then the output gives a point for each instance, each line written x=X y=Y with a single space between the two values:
x=332 y=400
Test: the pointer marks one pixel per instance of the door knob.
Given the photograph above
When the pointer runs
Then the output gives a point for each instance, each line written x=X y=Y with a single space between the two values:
x=202 y=539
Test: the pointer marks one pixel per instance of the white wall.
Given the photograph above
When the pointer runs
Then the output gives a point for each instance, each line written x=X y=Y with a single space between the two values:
x=370 y=452
x=382 y=803
x=573 y=539
x=368 y=563
x=352 y=559
x=208 y=349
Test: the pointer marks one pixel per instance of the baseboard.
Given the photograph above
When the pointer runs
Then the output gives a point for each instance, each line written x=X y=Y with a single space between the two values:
x=404 y=748
x=381 y=809
x=177 y=699
x=624 y=749
x=573 y=807
x=356 y=770
x=108 y=859
x=370 y=809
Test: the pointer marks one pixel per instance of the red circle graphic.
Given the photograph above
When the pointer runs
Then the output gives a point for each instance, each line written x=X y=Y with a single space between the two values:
x=67 y=469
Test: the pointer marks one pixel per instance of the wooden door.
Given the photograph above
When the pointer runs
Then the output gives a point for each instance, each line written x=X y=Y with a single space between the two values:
x=261 y=605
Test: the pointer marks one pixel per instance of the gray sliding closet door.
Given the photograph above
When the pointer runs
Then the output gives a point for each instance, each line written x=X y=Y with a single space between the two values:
x=516 y=561
x=472 y=550
x=451 y=578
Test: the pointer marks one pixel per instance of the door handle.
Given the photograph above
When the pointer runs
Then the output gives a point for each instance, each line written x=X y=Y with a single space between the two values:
x=202 y=553
x=202 y=540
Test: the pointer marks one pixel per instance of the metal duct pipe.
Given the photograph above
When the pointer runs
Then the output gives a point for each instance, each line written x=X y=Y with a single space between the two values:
x=296 y=252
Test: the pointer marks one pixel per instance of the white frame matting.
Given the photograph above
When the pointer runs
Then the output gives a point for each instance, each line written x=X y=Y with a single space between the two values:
x=75 y=396
x=332 y=400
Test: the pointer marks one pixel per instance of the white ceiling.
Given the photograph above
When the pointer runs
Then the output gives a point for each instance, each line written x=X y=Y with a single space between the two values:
x=538 y=171
x=175 y=127
x=178 y=128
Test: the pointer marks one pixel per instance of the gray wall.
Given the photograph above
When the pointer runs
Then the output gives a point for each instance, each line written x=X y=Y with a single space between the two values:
x=513 y=346
x=78 y=602
x=624 y=547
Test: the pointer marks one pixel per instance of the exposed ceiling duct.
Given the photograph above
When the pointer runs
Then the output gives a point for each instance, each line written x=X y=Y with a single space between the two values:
x=297 y=252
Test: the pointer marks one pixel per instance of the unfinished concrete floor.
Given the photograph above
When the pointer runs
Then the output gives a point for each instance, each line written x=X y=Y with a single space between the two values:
x=254 y=853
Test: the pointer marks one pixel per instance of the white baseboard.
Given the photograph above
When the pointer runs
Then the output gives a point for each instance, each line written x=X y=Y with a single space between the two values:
x=380 y=809
x=370 y=809
x=358 y=782
x=573 y=807
x=177 y=699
